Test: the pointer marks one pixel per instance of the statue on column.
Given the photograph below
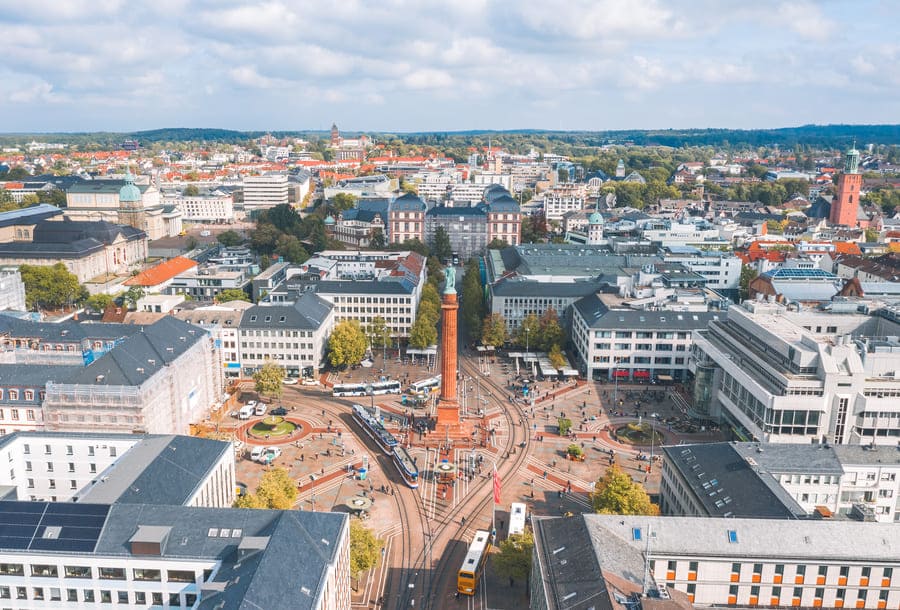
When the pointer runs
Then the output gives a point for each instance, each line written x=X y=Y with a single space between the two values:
x=450 y=280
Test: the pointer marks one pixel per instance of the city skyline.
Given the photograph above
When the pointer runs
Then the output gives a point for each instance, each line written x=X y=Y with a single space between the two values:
x=89 y=66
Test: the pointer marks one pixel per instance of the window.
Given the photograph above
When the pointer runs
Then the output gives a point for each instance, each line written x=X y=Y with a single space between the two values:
x=112 y=573
x=112 y=451
x=77 y=572
x=71 y=595
x=12 y=569
x=89 y=595
x=43 y=570
x=179 y=576
x=123 y=597
x=153 y=575
x=4 y=593
x=140 y=598
x=732 y=536
x=49 y=466
x=37 y=594
x=48 y=450
x=174 y=599
x=55 y=595
x=69 y=450
x=105 y=597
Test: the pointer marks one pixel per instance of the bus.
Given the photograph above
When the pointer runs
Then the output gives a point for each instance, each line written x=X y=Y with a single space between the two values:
x=432 y=384
x=348 y=389
x=516 y=518
x=473 y=565
x=385 y=387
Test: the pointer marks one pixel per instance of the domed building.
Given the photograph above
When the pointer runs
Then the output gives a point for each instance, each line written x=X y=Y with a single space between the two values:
x=595 y=229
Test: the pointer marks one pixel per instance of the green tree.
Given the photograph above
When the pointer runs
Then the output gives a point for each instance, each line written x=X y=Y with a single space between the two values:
x=99 y=302
x=431 y=300
x=616 y=494
x=497 y=244
x=527 y=335
x=364 y=548
x=190 y=190
x=514 y=559
x=249 y=500
x=377 y=242
x=268 y=379
x=550 y=332
x=30 y=199
x=440 y=245
x=378 y=333
x=872 y=235
x=230 y=238
x=277 y=489
x=347 y=344
x=342 y=202
x=423 y=333
x=232 y=294
x=290 y=248
x=132 y=296
x=748 y=274
x=264 y=237
x=493 y=330
x=472 y=299
x=556 y=357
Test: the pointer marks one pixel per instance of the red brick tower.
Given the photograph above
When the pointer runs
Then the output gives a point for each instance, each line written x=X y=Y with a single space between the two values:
x=845 y=205
x=448 y=422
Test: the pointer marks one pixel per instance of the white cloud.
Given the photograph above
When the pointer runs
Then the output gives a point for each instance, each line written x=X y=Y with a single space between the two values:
x=249 y=76
x=428 y=78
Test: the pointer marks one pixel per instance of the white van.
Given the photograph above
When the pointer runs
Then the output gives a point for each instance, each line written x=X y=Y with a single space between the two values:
x=246 y=412
x=256 y=453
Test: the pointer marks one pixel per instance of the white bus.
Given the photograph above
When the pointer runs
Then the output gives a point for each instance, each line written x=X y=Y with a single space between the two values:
x=432 y=384
x=516 y=518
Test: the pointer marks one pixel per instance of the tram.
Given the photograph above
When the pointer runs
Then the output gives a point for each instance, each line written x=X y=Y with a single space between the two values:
x=406 y=467
x=371 y=426
x=472 y=567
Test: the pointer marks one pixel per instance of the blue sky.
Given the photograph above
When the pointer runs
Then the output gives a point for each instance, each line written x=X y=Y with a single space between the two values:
x=399 y=65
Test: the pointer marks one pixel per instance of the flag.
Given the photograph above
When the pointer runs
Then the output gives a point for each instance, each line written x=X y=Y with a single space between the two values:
x=496 y=486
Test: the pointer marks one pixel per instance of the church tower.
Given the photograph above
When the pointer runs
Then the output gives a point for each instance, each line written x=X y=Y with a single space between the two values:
x=131 y=205
x=845 y=205
x=335 y=136
x=595 y=229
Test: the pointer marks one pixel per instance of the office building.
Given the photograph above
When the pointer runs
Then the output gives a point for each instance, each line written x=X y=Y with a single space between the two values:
x=266 y=191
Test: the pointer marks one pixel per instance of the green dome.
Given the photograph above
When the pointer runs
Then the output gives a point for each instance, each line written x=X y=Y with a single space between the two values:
x=595 y=219
x=129 y=192
x=329 y=220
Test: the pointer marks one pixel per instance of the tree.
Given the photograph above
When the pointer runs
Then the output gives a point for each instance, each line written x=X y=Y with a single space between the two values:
x=230 y=238
x=748 y=274
x=497 y=244
x=99 y=302
x=550 y=332
x=30 y=199
x=132 y=296
x=290 y=248
x=190 y=190
x=493 y=330
x=347 y=344
x=514 y=559
x=50 y=286
x=377 y=242
x=378 y=333
x=276 y=491
x=232 y=294
x=440 y=245
x=872 y=235
x=472 y=299
x=423 y=332
x=264 y=237
x=364 y=548
x=527 y=333
x=268 y=379
x=556 y=357
x=616 y=494
x=249 y=500
x=342 y=202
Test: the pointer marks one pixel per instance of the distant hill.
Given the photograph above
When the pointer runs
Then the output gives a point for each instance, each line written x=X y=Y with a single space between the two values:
x=809 y=135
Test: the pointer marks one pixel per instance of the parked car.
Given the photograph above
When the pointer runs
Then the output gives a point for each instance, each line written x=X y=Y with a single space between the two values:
x=259 y=409
x=291 y=381
x=251 y=403
x=245 y=412
x=238 y=445
x=310 y=381
x=256 y=453
x=278 y=411
x=269 y=454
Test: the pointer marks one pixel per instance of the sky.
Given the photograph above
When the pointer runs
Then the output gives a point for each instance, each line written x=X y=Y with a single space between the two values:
x=430 y=65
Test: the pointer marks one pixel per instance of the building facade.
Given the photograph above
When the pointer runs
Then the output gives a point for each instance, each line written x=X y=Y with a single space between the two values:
x=266 y=191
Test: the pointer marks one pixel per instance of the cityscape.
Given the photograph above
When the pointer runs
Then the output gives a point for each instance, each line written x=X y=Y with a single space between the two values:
x=625 y=338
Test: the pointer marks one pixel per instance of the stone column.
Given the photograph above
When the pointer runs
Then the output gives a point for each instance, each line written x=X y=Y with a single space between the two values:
x=449 y=307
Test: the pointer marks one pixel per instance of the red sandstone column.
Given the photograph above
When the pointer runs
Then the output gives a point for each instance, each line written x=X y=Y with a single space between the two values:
x=449 y=308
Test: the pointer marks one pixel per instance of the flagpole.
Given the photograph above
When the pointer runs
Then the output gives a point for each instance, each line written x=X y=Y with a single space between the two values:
x=494 y=503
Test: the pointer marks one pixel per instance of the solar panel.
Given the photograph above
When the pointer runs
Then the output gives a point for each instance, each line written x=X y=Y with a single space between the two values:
x=74 y=508
x=59 y=526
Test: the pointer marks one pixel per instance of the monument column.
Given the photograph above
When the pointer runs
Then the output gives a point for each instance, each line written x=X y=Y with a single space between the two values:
x=448 y=422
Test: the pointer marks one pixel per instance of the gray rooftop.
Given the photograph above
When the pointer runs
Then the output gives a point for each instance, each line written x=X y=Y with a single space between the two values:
x=514 y=287
x=567 y=260
x=792 y=458
x=29 y=215
x=64 y=332
x=29 y=375
x=309 y=312
x=164 y=470
x=599 y=316
x=726 y=484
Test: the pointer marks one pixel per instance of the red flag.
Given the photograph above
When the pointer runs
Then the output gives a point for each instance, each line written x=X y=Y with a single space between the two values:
x=496 y=487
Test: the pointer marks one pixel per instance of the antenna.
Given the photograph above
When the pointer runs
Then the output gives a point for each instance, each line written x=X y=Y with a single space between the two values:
x=647 y=560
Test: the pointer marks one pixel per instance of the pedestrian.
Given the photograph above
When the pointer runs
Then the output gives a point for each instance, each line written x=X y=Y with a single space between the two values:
x=302 y=457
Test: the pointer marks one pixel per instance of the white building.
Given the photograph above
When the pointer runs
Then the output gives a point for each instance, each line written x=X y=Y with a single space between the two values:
x=266 y=191
x=12 y=289
x=209 y=209
x=783 y=376
x=722 y=270
x=222 y=322
x=714 y=562
x=563 y=198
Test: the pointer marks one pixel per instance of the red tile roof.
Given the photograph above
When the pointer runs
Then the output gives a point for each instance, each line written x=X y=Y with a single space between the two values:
x=162 y=272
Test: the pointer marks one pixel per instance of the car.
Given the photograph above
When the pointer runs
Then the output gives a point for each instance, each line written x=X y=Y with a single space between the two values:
x=238 y=445
x=256 y=453
x=251 y=403
x=278 y=411
x=310 y=381
x=260 y=409
x=291 y=381
x=269 y=454
x=205 y=233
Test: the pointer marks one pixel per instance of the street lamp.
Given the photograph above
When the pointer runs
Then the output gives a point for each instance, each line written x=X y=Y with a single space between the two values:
x=527 y=331
x=616 y=381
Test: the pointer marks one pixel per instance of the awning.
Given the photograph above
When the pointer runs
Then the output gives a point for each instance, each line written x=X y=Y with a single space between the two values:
x=642 y=374
x=664 y=377
x=620 y=373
